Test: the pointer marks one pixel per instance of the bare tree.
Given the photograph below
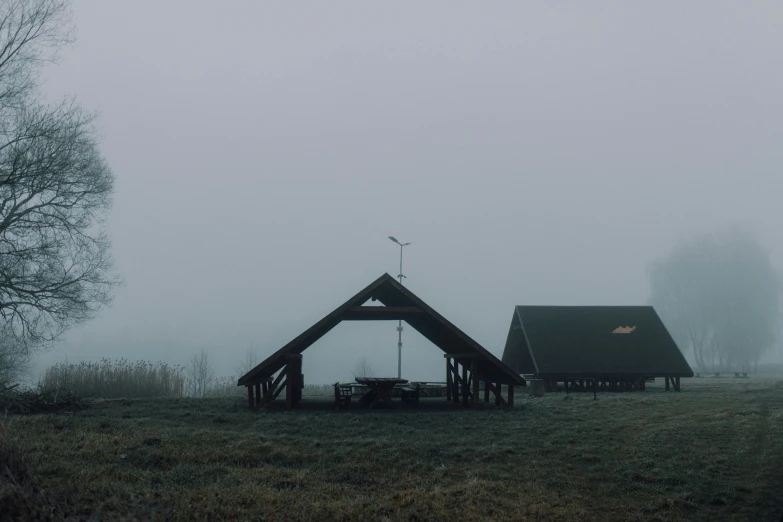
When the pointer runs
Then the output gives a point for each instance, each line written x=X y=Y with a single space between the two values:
x=363 y=369
x=720 y=298
x=14 y=359
x=249 y=360
x=200 y=372
x=55 y=187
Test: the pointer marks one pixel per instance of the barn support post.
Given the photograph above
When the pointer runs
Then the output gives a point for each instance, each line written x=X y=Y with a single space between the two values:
x=465 y=390
x=289 y=399
x=498 y=395
x=258 y=392
x=677 y=384
x=448 y=379
x=456 y=383
x=666 y=378
x=474 y=377
x=510 y=396
x=250 y=397
x=293 y=380
x=486 y=388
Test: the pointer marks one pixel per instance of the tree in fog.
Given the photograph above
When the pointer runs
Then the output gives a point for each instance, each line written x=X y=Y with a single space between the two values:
x=200 y=373
x=720 y=298
x=363 y=368
x=13 y=359
x=55 y=189
x=249 y=361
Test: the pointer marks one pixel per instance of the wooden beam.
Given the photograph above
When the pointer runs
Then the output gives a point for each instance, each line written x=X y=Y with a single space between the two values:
x=510 y=395
x=462 y=356
x=448 y=379
x=465 y=390
x=270 y=394
x=498 y=396
x=250 y=397
x=258 y=392
x=474 y=376
x=290 y=384
x=381 y=313
x=677 y=384
x=282 y=387
x=666 y=378
x=455 y=392
x=486 y=388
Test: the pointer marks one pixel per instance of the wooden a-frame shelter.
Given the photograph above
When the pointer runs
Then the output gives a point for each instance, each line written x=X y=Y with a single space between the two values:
x=467 y=362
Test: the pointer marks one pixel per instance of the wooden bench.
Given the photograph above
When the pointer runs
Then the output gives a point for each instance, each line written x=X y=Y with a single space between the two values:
x=410 y=394
x=342 y=395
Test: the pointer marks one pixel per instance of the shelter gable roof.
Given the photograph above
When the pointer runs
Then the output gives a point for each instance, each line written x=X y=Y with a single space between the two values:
x=391 y=293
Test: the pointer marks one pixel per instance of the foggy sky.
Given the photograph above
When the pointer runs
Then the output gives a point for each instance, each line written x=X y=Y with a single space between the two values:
x=536 y=154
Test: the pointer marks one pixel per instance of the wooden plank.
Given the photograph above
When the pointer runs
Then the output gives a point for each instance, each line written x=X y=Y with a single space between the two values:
x=474 y=376
x=462 y=356
x=282 y=387
x=455 y=380
x=448 y=379
x=497 y=390
x=465 y=386
x=381 y=313
x=290 y=384
x=270 y=394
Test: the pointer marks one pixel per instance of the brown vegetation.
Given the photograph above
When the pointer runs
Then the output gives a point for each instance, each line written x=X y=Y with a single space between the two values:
x=711 y=452
x=117 y=379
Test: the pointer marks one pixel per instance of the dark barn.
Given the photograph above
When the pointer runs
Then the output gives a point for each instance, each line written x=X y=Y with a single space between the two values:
x=593 y=347
x=468 y=364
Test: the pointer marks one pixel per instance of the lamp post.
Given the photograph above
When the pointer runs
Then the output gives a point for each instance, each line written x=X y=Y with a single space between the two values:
x=399 y=326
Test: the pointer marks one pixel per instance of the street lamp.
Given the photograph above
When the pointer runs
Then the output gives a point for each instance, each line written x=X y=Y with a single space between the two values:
x=399 y=326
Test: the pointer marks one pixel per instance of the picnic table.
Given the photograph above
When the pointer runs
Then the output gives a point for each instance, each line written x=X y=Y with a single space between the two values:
x=380 y=390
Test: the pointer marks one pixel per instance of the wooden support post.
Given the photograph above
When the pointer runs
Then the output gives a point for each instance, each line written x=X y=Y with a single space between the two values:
x=289 y=386
x=258 y=392
x=272 y=391
x=510 y=396
x=448 y=379
x=486 y=389
x=667 y=382
x=465 y=390
x=282 y=387
x=498 y=395
x=455 y=381
x=677 y=384
x=250 y=397
x=474 y=376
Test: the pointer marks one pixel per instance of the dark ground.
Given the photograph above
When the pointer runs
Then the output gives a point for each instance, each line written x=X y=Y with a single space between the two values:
x=712 y=452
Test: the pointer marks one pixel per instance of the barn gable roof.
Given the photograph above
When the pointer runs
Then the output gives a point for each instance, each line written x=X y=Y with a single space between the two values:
x=592 y=341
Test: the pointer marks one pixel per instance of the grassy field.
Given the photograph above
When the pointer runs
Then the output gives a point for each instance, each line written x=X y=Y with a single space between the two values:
x=712 y=452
